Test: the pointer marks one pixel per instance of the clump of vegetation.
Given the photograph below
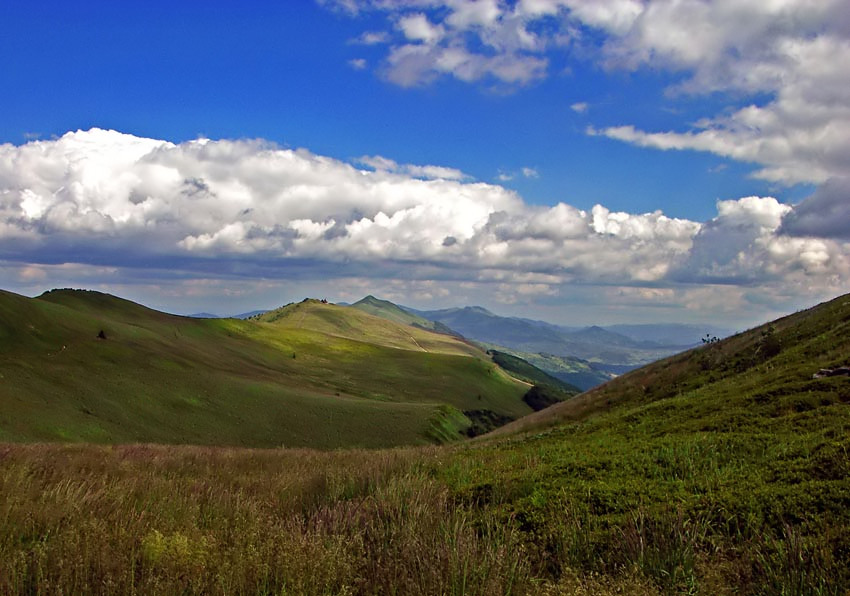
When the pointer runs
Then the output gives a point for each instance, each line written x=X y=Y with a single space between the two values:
x=769 y=344
x=483 y=421
x=540 y=397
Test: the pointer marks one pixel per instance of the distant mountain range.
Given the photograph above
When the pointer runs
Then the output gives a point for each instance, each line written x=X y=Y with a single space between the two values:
x=615 y=344
x=582 y=356
x=244 y=315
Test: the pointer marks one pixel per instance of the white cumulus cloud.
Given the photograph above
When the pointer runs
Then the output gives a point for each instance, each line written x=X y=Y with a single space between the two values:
x=787 y=56
x=215 y=209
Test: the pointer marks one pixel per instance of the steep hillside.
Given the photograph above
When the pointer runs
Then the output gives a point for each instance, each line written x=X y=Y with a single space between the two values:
x=85 y=366
x=718 y=471
x=387 y=310
x=529 y=373
x=771 y=365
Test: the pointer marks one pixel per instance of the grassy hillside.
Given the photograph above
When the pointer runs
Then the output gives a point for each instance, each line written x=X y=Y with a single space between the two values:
x=352 y=323
x=724 y=470
x=769 y=366
x=306 y=375
x=569 y=369
x=387 y=310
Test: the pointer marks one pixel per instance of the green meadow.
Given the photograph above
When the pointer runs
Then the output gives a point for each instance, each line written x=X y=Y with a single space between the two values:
x=723 y=470
x=309 y=374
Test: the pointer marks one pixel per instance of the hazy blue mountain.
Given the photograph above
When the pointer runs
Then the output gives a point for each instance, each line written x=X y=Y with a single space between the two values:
x=248 y=315
x=599 y=346
x=475 y=322
x=670 y=333
x=244 y=315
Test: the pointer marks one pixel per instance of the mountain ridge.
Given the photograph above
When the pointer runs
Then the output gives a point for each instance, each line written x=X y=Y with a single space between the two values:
x=86 y=366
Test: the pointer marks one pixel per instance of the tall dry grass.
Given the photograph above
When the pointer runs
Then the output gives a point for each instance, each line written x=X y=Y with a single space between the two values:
x=167 y=520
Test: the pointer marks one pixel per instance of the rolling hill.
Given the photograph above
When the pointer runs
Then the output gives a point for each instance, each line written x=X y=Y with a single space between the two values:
x=357 y=324
x=387 y=310
x=86 y=366
x=722 y=470
x=569 y=373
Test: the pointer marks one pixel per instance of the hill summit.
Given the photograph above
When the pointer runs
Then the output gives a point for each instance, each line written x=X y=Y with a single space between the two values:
x=86 y=366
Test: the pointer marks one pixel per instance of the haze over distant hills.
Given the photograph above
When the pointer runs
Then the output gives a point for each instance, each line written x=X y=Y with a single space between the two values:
x=624 y=345
x=209 y=315
x=582 y=356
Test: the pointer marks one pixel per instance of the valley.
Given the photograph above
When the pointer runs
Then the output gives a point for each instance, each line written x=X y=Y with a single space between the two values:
x=720 y=470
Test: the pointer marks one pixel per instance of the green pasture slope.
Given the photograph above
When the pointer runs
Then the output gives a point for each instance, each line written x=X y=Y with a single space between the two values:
x=723 y=470
x=324 y=377
x=388 y=310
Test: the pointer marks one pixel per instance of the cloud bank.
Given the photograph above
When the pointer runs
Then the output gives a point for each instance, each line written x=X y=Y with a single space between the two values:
x=218 y=208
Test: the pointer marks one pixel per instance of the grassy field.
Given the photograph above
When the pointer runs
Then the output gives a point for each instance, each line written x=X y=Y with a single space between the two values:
x=722 y=471
x=310 y=374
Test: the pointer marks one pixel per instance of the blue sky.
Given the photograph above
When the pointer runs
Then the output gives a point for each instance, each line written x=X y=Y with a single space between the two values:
x=534 y=112
x=281 y=72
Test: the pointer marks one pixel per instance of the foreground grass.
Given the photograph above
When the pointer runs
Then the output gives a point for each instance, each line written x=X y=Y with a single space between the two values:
x=577 y=510
x=150 y=519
